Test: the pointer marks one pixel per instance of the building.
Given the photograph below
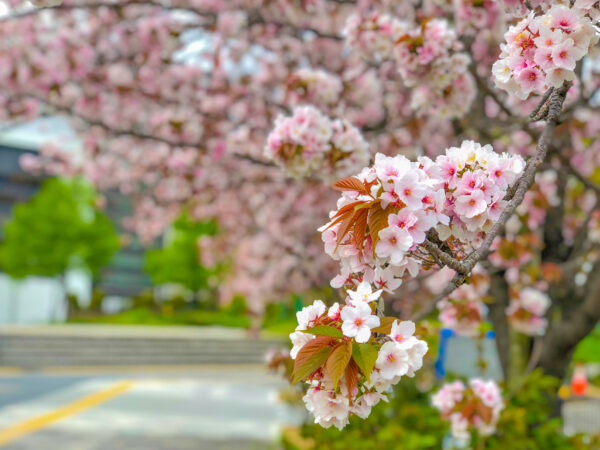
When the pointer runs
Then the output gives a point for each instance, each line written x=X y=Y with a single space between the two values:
x=38 y=299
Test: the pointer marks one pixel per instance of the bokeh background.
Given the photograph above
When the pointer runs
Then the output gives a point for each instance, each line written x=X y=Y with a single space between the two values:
x=153 y=255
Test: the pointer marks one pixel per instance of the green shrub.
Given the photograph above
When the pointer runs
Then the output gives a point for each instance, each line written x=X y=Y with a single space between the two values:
x=408 y=422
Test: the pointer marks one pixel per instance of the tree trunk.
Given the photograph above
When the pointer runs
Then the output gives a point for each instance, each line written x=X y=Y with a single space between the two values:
x=499 y=291
x=561 y=340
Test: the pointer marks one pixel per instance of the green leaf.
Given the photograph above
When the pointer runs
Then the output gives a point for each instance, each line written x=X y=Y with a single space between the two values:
x=311 y=364
x=337 y=362
x=385 y=325
x=324 y=330
x=365 y=356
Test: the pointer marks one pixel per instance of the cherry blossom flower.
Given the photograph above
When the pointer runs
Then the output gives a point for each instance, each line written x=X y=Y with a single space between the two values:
x=394 y=242
x=310 y=143
x=392 y=361
x=363 y=293
x=309 y=314
x=525 y=312
x=541 y=51
x=358 y=321
x=299 y=340
x=402 y=330
x=455 y=401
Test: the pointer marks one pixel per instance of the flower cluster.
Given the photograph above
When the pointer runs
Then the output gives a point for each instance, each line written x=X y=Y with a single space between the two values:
x=422 y=51
x=473 y=16
x=476 y=406
x=373 y=36
x=314 y=86
x=310 y=143
x=476 y=180
x=542 y=51
x=385 y=212
x=347 y=367
x=428 y=58
x=463 y=312
x=526 y=312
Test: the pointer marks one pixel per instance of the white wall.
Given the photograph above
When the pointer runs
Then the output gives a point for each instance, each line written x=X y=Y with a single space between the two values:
x=40 y=300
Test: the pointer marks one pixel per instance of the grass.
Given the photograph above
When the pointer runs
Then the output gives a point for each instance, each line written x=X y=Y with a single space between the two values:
x=282 y=328
x=588 y=350
x=145 y=316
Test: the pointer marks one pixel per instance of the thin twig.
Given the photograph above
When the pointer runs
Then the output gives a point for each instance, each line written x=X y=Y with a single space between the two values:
x=140 y=135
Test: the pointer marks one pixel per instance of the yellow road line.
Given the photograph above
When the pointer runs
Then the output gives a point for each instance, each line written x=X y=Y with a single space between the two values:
x=31 y=425
x=8 y=371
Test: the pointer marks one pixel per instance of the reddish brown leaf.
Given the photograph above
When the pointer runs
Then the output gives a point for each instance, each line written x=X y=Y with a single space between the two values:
x=350 y=184
x=348 y=207
x=378 y=220
x=485 y=413
x=340 y=218
x=337 y=362
x=351 y=377
x=310 y=348
x=385 y=325
x=345 y=227
x=360 y=228
x=468 y=410
x=311 y=365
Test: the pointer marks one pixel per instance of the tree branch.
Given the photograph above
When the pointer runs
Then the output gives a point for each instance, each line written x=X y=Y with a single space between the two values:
x=517 y=194
x=444 y=257
x=141 y=135
x=562 y=338
x=499 y=291
x=254 y=17
x=527 y=178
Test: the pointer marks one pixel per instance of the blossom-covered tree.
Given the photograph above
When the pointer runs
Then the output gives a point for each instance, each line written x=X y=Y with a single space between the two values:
x=463 y=135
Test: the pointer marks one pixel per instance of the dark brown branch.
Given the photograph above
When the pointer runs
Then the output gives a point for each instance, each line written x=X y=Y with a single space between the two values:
x=562 y=338
x=527 y=178
x=445 y=258
x=537 y=113
x=522 y=185
x=499 y=291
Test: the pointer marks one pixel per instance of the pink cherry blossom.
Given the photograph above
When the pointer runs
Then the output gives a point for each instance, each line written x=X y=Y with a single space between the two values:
x=358 y=321
x=471 y=205
x=392 y=361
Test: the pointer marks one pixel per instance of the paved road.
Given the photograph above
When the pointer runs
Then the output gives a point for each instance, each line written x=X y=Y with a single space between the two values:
x=213 y=408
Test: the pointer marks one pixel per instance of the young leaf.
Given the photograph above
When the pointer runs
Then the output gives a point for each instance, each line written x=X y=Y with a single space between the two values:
x=311 y=364
x=345 y=227
x=351 y=377
x=385 y=325
x=311 y=357
x=378 y=220
x=348 y=207
x=350 y=184
x=325 y=330
x=337 y=362
x=340 y=218
x=365 y=356
x=360 y=228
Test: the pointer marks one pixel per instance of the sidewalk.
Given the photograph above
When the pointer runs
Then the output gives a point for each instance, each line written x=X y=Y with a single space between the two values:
x=137 y=331
x=50 y=346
